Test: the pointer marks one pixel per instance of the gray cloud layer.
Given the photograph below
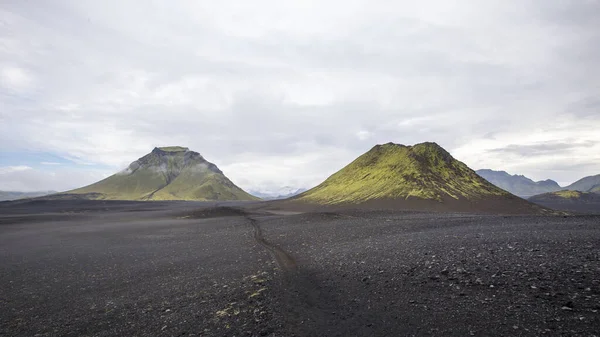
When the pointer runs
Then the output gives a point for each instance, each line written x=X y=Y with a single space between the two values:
x=285 y=93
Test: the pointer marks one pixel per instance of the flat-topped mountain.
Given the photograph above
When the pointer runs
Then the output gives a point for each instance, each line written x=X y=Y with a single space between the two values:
x=167 y=173
x=518 y=184
x=423 y=176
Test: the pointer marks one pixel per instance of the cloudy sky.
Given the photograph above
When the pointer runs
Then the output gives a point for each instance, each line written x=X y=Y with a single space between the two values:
x=283 y=93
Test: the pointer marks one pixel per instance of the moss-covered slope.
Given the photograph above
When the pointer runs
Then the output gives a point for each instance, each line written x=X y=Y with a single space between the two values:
x=571 y=201
x=167 y=173
x=397 y=174
x=566 y=196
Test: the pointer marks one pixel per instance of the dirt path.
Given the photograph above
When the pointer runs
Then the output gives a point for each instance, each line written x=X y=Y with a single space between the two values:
x=285 y=261
x=305 y=304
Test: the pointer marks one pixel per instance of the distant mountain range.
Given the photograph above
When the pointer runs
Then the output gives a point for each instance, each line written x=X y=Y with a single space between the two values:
x=518 y=184
x=13 y=195
x=166 y=173
x=587 y=184
x=526 y=188
x=282 y=193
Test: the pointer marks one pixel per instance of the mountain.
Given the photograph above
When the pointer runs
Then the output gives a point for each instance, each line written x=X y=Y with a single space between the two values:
x=282 y=193
x=585 y=184
x=518 y=184
x=167 y=173
x=12 y=195
x=423 y=177
x=568 y=200
x=595 y=189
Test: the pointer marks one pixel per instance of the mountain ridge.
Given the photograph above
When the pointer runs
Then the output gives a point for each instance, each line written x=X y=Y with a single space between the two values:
x=525 y=187
x=16 y=195
x=569 y=200
x=518 y=184
x=585 y=184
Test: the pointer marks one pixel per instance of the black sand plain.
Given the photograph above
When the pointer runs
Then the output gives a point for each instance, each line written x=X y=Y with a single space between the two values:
x=99 y=268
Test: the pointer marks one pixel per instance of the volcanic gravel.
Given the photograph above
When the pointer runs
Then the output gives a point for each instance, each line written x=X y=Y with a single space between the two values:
x=188 y=269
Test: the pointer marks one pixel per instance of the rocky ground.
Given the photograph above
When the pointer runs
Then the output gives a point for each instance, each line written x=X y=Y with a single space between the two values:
x=186 y=269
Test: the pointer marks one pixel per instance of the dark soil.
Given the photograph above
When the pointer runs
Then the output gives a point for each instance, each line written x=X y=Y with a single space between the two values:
x=188 y=269
x=494 y=205
x=580 y=206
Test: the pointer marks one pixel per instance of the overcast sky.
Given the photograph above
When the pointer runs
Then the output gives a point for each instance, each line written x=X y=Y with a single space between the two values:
x=283 y=93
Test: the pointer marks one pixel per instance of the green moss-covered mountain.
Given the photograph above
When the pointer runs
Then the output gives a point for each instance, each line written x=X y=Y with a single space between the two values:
x=167 y=173
x=423 y=176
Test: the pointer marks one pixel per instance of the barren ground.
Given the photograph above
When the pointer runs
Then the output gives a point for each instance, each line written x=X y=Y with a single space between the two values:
x=92 y=268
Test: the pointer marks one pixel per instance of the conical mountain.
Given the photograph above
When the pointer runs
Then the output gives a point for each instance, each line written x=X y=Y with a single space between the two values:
x=167 y=173
x=421 y=177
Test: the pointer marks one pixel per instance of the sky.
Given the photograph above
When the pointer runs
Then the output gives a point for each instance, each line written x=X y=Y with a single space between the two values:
x=285 y=93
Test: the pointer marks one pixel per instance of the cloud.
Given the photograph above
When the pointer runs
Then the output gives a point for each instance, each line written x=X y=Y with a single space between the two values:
x=11 y=169
x=546 y=148
x=15 y=78
x=285 y=93
x=363 y=135
x=27 y=179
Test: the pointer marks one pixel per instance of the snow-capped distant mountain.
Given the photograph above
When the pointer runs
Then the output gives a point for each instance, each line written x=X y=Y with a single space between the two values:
x=281 y=193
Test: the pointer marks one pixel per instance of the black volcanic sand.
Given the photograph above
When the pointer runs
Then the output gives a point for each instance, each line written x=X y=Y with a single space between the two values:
x=589 y=206
x=189 y=269
x=494 y=204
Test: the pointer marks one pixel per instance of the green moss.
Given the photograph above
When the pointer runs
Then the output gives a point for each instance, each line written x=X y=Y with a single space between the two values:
x=173 y=149
x=176 y=175
x=567 y=194
x=391 y=171
x=126 y=187
x=195 y=184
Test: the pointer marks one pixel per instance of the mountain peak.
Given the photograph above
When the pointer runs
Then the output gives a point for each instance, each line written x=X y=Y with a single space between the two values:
x=167 y=173
x=423 y=173
x=171 y=149
x=424 y=145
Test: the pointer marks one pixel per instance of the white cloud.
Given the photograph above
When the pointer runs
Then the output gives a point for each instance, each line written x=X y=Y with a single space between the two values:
x=15 y=78
x=27 y=179
x=252 y=86
x=11 y=169
x=363 y=135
